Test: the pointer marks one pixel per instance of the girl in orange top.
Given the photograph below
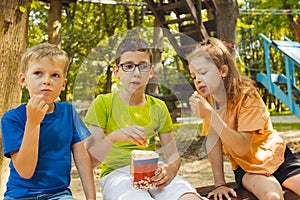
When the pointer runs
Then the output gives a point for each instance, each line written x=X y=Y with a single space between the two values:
x=236 y=118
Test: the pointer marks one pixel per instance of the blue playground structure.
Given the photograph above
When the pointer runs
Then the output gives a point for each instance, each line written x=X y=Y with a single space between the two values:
x=282 y=86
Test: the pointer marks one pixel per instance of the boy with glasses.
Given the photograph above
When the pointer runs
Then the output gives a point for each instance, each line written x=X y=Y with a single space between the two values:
x=129 y=120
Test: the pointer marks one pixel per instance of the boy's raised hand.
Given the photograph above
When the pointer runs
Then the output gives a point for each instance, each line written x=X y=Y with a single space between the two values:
x=36 y=109
x=133 y=134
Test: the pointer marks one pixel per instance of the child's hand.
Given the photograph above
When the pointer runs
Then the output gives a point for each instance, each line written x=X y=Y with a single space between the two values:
x=200 y=107
x=133 y=134
x=36 y=109
x=219 y=192
x=164 y=175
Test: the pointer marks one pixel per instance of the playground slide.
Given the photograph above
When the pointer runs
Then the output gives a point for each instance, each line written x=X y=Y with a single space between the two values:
x=283 y=86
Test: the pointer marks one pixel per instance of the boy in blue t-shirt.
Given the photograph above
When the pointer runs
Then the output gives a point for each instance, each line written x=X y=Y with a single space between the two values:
x=40 y=136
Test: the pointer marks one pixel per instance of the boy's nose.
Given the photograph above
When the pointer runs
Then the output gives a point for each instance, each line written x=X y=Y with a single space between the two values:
x=137 y=70
x=46 y=80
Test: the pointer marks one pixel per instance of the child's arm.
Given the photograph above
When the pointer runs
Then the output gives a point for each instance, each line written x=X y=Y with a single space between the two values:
x=229 y=137
x=99 y=145
x=84 y=166
x=164 y=174
x=25 y=160
x=214 y=151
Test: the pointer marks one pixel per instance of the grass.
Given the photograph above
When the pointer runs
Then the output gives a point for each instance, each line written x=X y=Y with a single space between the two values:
x=280 y=127
x=282 y=113
x=283 y=127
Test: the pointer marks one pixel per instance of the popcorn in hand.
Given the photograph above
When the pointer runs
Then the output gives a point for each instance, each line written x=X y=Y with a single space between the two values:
x=143 y=166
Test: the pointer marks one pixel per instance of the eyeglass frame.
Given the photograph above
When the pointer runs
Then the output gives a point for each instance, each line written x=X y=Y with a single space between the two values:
x=135 y=66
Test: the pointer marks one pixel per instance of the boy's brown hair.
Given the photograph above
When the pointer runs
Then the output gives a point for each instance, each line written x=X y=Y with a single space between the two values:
x=133 y=44
x=45 y=50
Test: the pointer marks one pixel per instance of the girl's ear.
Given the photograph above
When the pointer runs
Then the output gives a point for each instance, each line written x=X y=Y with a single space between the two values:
x=115 y=71
x=224 y=71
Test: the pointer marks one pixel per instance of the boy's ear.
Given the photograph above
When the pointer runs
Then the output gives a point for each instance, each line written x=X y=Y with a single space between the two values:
x=64 y=85
x=152 y=71
x=115 y=71
x=23 y=82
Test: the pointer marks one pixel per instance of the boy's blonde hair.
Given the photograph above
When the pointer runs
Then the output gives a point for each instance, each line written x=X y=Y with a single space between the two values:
x=133 y=44
x=235 y=84
x=45 y=50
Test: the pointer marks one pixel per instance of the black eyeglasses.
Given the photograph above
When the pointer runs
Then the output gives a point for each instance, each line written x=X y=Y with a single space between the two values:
x=129 y=67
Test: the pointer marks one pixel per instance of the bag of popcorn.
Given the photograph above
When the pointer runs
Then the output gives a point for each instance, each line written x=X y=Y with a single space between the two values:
x=143 y=166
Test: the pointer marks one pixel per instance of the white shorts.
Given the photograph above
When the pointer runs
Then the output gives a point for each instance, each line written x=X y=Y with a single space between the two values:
x=117 y=185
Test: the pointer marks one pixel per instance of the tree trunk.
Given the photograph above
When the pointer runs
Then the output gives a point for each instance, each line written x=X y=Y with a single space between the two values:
x=227 y=14
x=13 y=40
x=54 y=23
x=294 y=20
x=54 y=30
x=296 y=25
x=153 y=85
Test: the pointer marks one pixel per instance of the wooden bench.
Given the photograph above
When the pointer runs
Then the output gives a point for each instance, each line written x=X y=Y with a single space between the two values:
x=243 y=194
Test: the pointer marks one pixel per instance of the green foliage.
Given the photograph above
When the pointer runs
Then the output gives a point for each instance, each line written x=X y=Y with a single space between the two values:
x=25 y=95
x=88 y=27
x=267 y=17
x=84 y=26
x=38 y=26
x=22 y=9
x=273 y=25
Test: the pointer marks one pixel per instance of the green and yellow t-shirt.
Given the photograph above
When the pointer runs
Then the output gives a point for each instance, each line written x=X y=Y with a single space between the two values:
x=109 y=112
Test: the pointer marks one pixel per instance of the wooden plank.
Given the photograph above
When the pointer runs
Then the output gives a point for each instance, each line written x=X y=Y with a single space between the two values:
x=207 y=5
x=179 y=20
x=243 y=194
x=169 y=6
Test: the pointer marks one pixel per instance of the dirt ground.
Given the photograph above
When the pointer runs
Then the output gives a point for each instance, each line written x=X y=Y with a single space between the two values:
x=195 y=166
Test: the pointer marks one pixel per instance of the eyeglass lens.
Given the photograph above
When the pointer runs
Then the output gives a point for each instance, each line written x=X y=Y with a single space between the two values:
x=132 y=67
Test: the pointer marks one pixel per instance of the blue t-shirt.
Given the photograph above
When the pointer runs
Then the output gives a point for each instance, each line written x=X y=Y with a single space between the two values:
x=58 y=132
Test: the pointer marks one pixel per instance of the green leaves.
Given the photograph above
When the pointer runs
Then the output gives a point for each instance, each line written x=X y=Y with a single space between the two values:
x=22 y=9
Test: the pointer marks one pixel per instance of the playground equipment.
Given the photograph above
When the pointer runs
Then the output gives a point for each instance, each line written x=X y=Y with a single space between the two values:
x=282 y=86
x=186 y=16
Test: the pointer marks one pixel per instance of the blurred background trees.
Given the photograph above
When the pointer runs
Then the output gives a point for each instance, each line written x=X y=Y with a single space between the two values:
x=85 y=30
x=85 y=25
